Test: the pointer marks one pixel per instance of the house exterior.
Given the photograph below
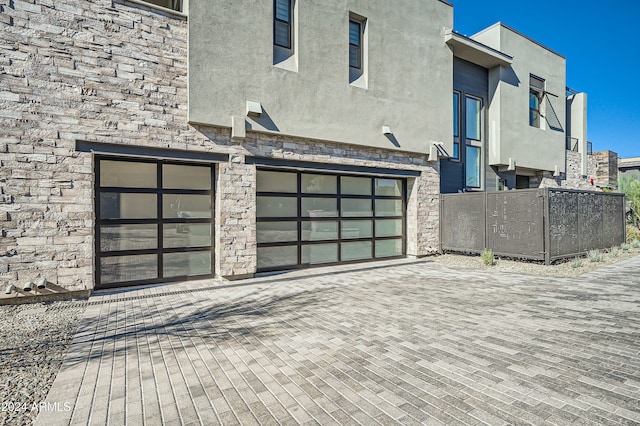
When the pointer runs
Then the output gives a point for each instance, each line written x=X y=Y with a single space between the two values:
x=514 y=119
x=629 y=167
x=154 y=141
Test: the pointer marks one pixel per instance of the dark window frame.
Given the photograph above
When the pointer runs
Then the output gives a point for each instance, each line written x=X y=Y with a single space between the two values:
x=356 y=47
x=299 y=219
x=536 y=91
x=159 y=221
x=287 y=24
x=456 y=126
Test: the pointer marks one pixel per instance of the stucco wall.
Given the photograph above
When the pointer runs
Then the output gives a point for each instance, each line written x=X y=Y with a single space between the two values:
x=510 y=135
x=409 y=77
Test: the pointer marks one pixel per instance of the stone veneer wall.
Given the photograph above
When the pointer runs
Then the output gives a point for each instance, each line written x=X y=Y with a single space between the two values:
x=115 y=72
x=573 y=178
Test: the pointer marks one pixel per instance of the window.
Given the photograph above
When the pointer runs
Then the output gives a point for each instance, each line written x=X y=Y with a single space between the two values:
x=357 y=50
x=536 y=91
x=282 y=23
x=355 y=44
x=456 y=126
x=472 y=166
x=169 y=4
x=473 y=107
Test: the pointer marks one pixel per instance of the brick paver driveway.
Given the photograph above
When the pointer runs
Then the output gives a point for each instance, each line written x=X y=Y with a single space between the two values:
x=398 y=342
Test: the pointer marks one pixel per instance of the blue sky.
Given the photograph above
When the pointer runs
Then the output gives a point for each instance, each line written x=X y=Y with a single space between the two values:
x=599 y=40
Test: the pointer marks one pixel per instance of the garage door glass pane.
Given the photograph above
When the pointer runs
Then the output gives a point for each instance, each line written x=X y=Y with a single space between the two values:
x=276 y=232
x=128 y=268
x=319 y=207
x=392 y=187
x=117 y=205
x=357 y=250
x=355 y=185
x=357 y=229
x=319 y=230
x=186 y=206
x=186 y=235
x=319 y=253
x=269 y=257
x=186 y=264
x=389 y=228
x=176 y=176
x=268 y=181
x=128 y=174
x=319 y=184
x=277 y=206
x=356 y=207
x=128 y=237
x=388 y=207
x=386 y=248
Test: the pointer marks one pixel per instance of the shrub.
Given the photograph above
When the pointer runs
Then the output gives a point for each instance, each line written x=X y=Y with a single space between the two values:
x=487 y=257
x=577 y=263
x=595 y=256
x=614 y=252
x=633 y=233
x=625 y=247
x=635 y=243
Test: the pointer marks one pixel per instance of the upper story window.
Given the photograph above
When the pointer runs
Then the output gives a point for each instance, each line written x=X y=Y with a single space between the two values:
x=169 y=4
x=282 y=23
x=358 y=50
x=473 y=108
x=536 y=92
x=355 y=44
x=456 y=126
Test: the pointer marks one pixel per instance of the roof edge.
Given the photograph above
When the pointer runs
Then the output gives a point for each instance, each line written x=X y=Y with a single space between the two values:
x=503 y=25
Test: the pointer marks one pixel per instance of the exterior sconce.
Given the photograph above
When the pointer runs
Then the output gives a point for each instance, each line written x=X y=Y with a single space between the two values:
x=254 y=109
x=512 y=165
x=386 y=130
x=41 y=283
x=556 y=172
x=9 y=289
x=28 y=286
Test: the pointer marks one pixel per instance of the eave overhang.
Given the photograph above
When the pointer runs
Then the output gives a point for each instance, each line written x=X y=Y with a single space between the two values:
x=476 y=52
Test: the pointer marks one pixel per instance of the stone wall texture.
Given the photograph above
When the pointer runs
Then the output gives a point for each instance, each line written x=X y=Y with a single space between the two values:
x=116 y=72
x=573 y=178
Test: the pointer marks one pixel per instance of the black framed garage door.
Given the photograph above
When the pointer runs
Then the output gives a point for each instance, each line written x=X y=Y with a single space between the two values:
x=154 y=221
x=308 y=218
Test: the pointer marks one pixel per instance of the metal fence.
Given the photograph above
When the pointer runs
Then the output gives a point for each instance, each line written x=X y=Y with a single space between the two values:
x=540 y=224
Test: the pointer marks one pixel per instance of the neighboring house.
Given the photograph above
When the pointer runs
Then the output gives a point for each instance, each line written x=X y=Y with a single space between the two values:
x=155 y=141
x=629 y=167
x=514 y=119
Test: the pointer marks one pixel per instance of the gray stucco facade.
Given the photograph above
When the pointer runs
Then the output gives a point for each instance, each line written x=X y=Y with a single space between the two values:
x=83 y=84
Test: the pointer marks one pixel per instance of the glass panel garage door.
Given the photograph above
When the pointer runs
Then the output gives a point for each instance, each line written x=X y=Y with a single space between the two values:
x=154 y=221
x=306 y=219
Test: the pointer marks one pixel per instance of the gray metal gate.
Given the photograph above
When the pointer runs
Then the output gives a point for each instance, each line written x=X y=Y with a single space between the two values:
x=539 y=224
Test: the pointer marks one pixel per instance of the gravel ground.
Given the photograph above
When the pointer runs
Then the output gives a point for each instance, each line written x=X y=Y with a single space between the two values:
x=34 y=339
x=562 y=268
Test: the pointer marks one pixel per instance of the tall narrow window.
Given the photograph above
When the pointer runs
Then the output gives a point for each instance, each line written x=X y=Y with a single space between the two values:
x=282 y=23
x=355 y=44
x=473 y=121
x=456 y=126
x=472 y=166
x=536 y=91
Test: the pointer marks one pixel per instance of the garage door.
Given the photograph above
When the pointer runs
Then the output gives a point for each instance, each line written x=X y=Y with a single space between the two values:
x=306 y=219
x=154 y=221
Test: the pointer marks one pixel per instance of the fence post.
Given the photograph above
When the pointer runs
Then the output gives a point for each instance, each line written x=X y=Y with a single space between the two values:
x=546 y=228
x=441 y=209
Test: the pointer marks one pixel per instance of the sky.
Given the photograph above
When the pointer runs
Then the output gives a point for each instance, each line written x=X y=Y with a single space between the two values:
x=599 y=41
